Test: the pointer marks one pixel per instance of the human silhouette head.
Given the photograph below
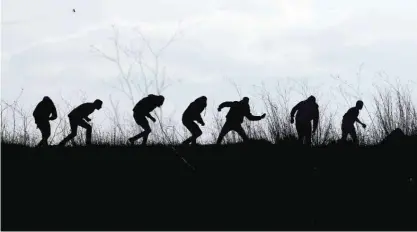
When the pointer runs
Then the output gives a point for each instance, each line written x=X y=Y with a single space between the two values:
x=311 y=99
x=98 y=104
x=245 y=100
x=359 y=104
x=202 y=100
x=159 y=99
x=46 y=98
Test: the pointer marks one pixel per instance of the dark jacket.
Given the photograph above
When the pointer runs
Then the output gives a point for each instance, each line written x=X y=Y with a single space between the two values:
x=193 y=111
x=82 y=111
x=43 y=111
x=350 y=116
x=239 y=110
x=306 y=111
x=146 y=105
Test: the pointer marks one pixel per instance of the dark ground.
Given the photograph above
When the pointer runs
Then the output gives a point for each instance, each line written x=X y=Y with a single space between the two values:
x=253 y=186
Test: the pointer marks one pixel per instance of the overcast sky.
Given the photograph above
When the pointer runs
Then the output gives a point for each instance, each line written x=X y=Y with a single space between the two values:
x=47 y=49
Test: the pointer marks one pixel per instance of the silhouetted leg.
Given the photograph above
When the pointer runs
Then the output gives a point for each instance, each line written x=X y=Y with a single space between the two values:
x=45 y=129
x=145 y=136
x=188 y=140
x=187 y=125
x=225 y=129
x=344 y=133
x=304 y=132
x=141 y=121
x=88 y=128
x=74 y=127
x=353 y=135
x=308 y=134
x=241 y=132
x=300 y=132
x=349 y=130
x=195 y=132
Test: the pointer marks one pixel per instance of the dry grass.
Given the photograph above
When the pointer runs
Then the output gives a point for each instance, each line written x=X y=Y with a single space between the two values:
x=393 y=109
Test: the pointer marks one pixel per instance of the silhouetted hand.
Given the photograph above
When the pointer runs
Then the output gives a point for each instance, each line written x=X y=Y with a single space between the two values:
x=153 y=119
x=52 y=118
x=263 y=116
x=219 y=109
x=88 y=119
x=292 y=120
x=363 y=125
x=202 y=123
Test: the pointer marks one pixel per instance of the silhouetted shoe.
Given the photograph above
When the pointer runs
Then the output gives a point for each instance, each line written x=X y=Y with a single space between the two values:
x=60 y=145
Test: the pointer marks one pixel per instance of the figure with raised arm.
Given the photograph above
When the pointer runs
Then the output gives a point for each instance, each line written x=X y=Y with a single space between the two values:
x=234 y=118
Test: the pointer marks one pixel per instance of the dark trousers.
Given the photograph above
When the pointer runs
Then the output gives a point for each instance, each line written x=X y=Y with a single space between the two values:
x=349 y=129
x=143 y=122
x=194 y=129
x=74 y=123
x=232 y=126
x=304 y=132
x=45 y=128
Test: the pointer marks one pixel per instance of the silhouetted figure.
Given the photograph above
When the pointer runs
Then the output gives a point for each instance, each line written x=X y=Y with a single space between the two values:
x=349 y=119
x=78 y=117
x=142 y=110
x=43 y=113
x=191 y=114
x=307 y=110
x=234 y=118
x=394 y=138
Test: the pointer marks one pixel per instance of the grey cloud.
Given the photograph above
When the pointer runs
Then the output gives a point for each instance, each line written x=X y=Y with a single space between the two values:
x=247 y=41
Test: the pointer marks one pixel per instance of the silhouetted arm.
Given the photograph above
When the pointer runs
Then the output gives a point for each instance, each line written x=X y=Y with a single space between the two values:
x=252 y=117
x=294 y=109
x=53 y=111
x=225 y=104
x=35 y=111
x=199 y=119
x=150 y=117
x=87 y=118
x=363 y=124
x=315 y=119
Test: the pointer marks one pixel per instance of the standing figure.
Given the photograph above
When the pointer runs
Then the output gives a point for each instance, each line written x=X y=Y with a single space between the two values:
x=142 y=110
x=234 y=118
x=44 y=112
x=307 y=110
x=78 y=117
x=349 y=119
x=191 y=114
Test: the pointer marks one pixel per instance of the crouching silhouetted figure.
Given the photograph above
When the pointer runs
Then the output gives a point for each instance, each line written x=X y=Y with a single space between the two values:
x=44 y=112
x=396 y=137
x=349 y=119
x=142 y=110
x=307 y=110
x=234 y=118
x=78 y=117
x=191 y=114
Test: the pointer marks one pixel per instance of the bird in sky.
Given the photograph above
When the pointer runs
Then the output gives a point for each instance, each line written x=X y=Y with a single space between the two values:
x=73 y=10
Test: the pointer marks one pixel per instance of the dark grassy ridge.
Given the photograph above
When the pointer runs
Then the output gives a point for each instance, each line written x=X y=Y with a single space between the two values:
x=254 y=186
